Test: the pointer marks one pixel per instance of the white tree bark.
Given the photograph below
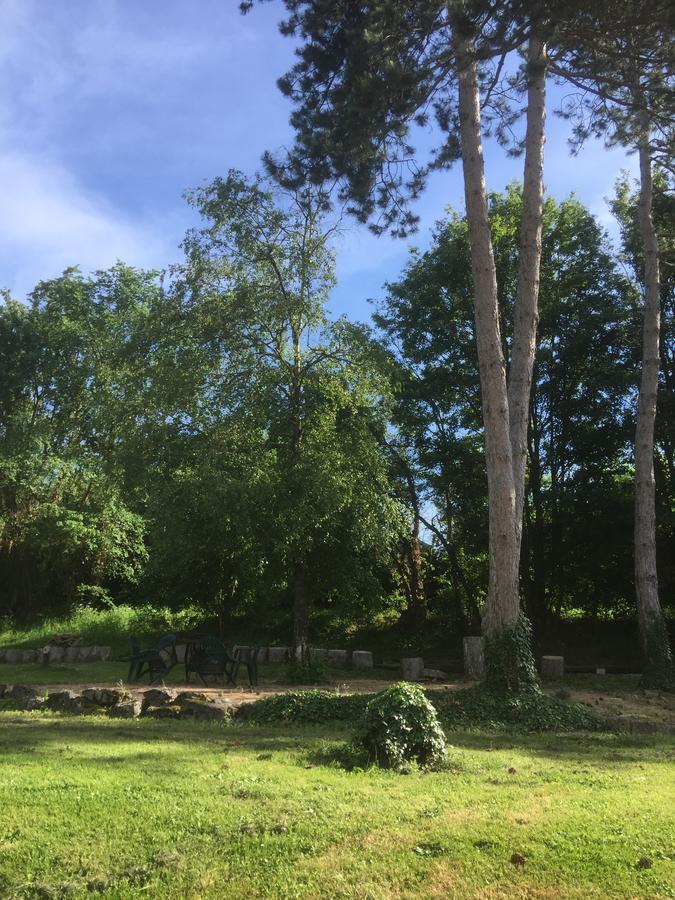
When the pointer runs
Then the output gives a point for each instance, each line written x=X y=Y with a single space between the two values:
x=646 y=581
x=501 y=611
x=526 y=316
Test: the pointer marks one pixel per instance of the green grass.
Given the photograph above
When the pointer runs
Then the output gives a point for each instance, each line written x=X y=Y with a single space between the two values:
x=183 y=810
x=108 y=627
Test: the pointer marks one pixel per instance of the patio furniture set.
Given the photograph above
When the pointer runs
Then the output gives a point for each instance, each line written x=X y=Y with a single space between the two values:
x=205 y=656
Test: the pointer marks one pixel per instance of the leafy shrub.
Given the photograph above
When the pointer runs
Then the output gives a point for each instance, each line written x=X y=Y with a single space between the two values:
x=472 y=707
x=400 y=725
x=312 y=707
x=529 y=711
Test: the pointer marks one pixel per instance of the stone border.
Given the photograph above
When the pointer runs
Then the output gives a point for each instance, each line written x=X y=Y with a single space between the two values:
x=118 y=703
x=50 y=654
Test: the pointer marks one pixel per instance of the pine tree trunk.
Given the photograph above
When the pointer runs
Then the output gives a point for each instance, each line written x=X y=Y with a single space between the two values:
x=501 y=611
x=659 y=670
x=526 y=314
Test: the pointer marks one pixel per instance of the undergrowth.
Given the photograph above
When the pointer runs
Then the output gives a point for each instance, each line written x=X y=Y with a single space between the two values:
x=106 y=627
x=475 y=706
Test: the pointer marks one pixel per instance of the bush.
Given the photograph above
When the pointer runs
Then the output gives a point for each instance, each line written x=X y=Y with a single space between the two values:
x=400 y=725
x=310 y=707
x=526 y=712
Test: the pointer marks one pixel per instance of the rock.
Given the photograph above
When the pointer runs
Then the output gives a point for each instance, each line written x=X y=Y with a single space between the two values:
x=277 y=654
x=262 y=654
x=103 y=653
x=86 y=654
x=157 y=697
x=56 y=654
x=412 y=668
x=180 y=652
x=72 y=654
x=26 y=696
x=319 y=654
x=61 y=701
x=552 y=667
x=474 y=660
x=3 y=654
x=435 y=674
x=13 y=656
x=338 y=659
x=129 y=709
x=104 y=696
x=64 y=639
x=161 y=712
x=362 y=659
x=200 y=710
x=199 y=696
x=29 y=656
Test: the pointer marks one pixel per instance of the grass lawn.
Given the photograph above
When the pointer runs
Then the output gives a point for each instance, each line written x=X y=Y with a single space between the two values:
x=187 y=810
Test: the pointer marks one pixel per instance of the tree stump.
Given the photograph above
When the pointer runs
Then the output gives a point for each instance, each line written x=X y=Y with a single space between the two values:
x=413 y=668
x=552 y=667
x=362 y=659
x=277 y=654
x=338 y=659
x=474 y=659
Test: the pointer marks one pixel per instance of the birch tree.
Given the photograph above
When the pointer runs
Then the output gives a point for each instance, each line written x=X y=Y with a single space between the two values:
x=367 y=75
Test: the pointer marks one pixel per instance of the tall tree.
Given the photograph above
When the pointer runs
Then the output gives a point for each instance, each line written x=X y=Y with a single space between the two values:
x=70 y=398
x=626 y=80
x=310 y=387
x=366 y=74
x=578 y=433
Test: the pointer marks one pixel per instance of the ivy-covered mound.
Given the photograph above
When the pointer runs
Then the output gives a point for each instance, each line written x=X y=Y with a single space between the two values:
x=309 y=707
x=472 y=707
x=400 y=725
x=528 y=711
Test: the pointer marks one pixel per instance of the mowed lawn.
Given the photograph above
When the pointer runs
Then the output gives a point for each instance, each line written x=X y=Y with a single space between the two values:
x=178 y=809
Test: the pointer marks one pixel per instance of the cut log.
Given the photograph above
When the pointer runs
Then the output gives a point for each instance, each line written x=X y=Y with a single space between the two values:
x=552 y=666
x=413 y=668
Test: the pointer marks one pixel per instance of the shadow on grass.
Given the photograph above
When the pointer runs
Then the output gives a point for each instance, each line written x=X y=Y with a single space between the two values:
x=327 y=745
x=37 y=732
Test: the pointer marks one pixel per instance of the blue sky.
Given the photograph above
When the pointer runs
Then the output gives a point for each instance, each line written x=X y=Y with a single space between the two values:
x=111 y=109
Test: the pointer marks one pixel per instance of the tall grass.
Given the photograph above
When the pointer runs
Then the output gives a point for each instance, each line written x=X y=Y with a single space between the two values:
x=105 y=627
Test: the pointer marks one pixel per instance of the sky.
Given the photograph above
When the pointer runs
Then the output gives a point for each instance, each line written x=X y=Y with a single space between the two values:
x=111 y=109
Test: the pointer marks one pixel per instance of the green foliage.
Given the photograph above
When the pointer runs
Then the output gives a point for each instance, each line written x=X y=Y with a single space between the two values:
x=580 y=431
x=107 y=627
x=525 y=712
x=509 y=661
x=659 y=666
x=310 y=707
x=399 y=726
x=474 y=707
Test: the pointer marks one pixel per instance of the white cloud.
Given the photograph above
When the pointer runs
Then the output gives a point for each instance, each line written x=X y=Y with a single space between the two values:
x=48 y=222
